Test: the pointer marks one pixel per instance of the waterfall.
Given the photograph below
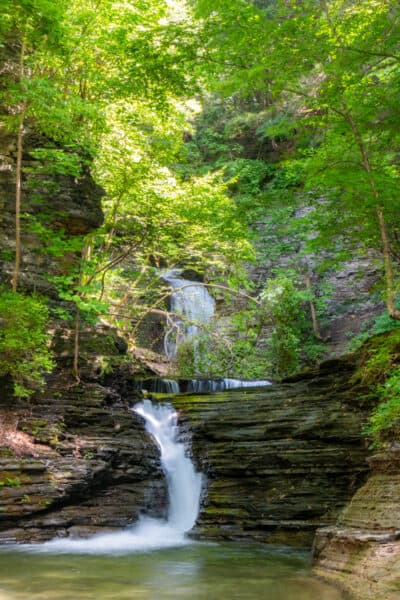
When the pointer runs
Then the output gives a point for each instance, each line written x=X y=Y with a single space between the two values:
x=191 y=300
x=197 y=386
x=184 y=484
x=205 y=386
x=158 y=385
x=184 y=488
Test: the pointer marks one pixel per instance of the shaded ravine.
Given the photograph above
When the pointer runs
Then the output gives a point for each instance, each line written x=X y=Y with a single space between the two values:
x=247 y=570
x=280 y=461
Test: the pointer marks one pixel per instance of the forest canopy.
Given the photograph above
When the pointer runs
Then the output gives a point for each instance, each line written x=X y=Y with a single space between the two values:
x=169 y=106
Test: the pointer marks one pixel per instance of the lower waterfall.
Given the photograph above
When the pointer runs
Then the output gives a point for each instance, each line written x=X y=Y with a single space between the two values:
x=184 y=489
x=184 y=484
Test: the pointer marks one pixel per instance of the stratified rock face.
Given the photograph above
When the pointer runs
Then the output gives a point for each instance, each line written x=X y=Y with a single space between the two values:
x=64 y=202
x=91 y=465
x=280 y=461
x=349 y=288
x=362 y=551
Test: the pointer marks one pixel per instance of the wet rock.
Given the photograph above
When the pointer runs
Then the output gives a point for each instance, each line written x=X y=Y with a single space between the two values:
x=103 y=471
x=281 y=461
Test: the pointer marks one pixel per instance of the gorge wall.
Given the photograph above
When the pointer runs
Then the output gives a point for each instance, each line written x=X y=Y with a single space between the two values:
x=66 y=202
x=76 y=460
x=280 y=461
x=361 y=551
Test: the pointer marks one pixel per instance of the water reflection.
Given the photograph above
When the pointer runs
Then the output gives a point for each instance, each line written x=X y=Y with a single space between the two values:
x=197 y=572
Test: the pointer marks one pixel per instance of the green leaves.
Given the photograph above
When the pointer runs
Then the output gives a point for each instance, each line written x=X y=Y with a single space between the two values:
x=24 y=351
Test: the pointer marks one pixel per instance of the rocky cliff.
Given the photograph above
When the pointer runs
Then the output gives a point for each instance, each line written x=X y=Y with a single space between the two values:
x=280 y=461
x=349 y=289
x=75 y=460
x=63 y=201
x=362 y=550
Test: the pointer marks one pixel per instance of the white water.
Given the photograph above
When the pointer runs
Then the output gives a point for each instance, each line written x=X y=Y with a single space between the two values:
x=184 y=488
x=184 y=484
x=205 y=386
x=191 y=300
x=198 y=386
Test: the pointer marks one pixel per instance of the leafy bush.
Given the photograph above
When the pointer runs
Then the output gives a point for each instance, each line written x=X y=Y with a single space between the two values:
x=379 y=371
x=24 y=352
x=283 y=306
x=240 y=351
x=210 y=356
x=386 y=417
x=383 y=323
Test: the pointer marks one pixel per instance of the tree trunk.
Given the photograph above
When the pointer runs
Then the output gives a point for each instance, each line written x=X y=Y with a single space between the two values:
x=18 y=178
x=394 y=313
x=314 y=318
x=18 y=190
x=75 y=368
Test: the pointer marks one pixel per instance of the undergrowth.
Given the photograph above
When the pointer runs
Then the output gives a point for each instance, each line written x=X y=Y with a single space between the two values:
x=379 y=371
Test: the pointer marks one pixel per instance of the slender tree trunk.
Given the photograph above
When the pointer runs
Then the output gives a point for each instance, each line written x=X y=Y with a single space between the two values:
x=394 y=313
x=18 y=179
x=18 y=190
x=314 y=318
x=75 y=368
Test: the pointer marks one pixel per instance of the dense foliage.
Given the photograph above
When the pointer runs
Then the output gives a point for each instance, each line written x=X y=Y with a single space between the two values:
x=222 y=133
x=24 y=351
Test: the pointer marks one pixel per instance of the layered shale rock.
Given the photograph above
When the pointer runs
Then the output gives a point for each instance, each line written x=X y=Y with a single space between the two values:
x=62 y=202
x=362 y=551
x=280 y=461
x=77 y=462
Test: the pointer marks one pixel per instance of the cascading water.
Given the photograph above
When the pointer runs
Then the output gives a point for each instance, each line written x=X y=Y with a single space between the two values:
x=184 y=484
x=184 y=488
x=205 y=386
x=197 y=386
x=191 y=300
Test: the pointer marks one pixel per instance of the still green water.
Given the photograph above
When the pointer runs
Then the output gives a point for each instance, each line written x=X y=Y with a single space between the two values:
x=194 y=572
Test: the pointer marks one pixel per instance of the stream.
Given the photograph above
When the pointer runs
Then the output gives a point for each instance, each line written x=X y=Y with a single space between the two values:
x=195 y=572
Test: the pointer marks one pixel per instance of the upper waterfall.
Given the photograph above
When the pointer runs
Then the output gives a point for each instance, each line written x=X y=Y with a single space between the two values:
x=192 y=301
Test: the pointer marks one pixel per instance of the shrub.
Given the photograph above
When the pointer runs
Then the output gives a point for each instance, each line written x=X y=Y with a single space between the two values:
x=386 y=416
x=24 y=351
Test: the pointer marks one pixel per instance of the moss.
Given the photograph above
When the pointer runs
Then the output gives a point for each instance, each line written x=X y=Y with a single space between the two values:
x=376 y=358
x=45 y=432
x=6 y=452
x=379 y=372
x=226 y=512
x=13 y=478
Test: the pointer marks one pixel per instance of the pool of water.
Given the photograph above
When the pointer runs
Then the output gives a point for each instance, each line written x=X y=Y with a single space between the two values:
x=198 y=571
